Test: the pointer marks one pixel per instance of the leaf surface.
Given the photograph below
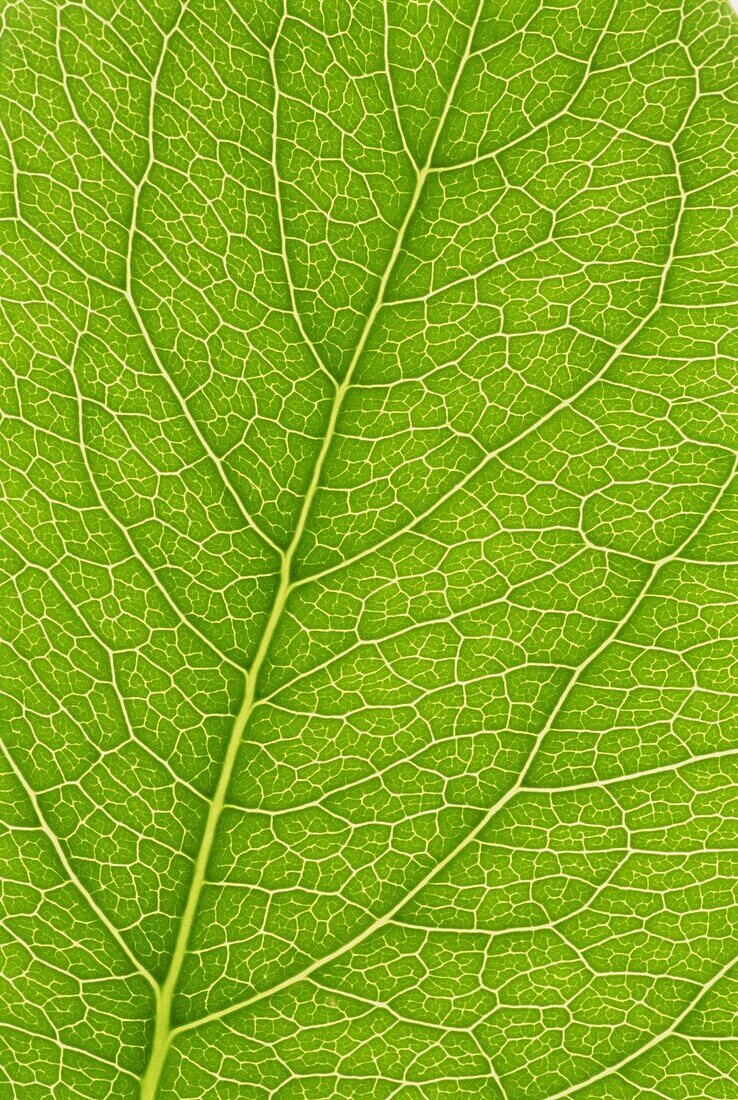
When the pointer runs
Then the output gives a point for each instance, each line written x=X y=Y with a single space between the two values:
x=367 y=549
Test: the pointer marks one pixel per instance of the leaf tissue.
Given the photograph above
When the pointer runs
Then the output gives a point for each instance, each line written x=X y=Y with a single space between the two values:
x=368 y=527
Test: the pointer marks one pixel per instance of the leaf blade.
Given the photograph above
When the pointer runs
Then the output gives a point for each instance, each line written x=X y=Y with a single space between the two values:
x=415 y=566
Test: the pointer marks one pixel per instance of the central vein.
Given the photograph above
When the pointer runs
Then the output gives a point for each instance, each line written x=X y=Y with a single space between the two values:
x=163 y=1022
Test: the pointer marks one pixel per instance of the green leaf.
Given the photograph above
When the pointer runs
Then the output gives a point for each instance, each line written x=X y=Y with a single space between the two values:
x=368 y=525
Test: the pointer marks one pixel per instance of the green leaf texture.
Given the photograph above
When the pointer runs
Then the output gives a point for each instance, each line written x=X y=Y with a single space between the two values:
x=368 y=526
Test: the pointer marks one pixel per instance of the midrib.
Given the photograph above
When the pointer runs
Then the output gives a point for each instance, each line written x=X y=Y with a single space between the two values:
x=163 y=1031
